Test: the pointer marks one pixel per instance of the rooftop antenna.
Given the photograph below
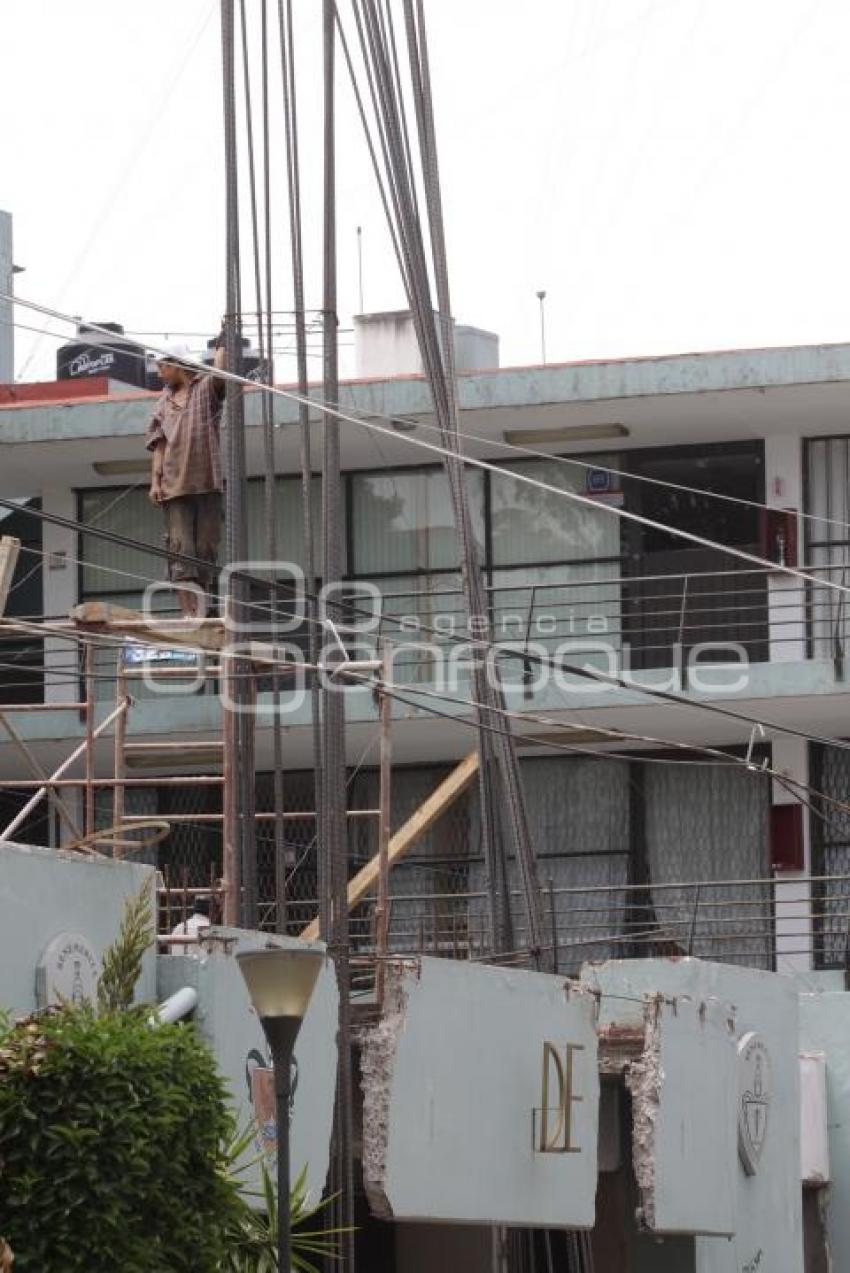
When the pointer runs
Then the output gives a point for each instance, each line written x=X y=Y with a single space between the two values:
x=360 y=264
x=541 y=296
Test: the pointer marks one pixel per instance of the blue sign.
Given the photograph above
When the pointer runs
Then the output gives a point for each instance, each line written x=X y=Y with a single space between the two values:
x=598 y=481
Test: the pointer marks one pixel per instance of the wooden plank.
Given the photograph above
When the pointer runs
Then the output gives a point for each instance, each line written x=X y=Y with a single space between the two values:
x=199 y=634
x=9 y=549
x=420 y=822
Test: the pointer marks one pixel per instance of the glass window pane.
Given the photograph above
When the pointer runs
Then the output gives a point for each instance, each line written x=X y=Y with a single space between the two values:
x=404 y=521
x=109 y=567
x=289 y=525
x=532 y=525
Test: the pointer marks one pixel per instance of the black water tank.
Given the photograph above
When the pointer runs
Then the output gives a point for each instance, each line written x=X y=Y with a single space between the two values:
x=94 y=354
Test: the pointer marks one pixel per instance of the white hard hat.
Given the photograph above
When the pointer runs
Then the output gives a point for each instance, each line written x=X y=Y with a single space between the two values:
x=174 y=351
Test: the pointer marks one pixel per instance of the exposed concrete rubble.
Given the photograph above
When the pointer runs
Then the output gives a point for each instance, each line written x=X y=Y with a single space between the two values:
x=377 y=1060
x=644 y=1077
x=619 y=1047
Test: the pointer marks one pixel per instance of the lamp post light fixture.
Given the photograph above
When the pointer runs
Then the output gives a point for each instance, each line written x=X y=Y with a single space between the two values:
x=280 y=982
x=541 y=296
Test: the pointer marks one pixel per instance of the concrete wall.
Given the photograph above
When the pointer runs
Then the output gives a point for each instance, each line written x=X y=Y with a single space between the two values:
x=794 y=930
x=44 y=893
x=385 y=345
x=768 y=1204
x=7 y=331
x=227 y=1021
x=825 y=1027
x=452 y=1080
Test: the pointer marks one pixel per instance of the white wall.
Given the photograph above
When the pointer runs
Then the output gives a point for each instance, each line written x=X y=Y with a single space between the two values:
x=60 y=591
x=794 y=933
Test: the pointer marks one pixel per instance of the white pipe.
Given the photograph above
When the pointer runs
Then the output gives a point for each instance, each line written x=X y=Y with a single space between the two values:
x=176 y=1006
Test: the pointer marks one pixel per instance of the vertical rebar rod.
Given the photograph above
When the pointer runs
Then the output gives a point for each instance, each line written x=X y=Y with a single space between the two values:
x=88 y=818
x=119 y=740
x=239 y=731
x=290 y=114
x=333 y=825
x=384 y=826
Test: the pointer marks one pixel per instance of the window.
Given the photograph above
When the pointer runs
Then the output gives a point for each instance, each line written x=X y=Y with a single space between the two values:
x=403 y=522
x=828 y=542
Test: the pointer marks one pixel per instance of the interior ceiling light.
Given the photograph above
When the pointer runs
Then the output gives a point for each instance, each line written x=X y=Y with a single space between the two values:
x=121 y=468
x=567 y=433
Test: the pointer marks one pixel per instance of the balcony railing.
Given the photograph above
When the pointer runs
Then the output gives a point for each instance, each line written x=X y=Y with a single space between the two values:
x=630 y=622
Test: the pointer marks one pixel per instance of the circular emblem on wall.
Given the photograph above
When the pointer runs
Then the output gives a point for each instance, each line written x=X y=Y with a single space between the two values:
x=67 y=972
x=755 y=1094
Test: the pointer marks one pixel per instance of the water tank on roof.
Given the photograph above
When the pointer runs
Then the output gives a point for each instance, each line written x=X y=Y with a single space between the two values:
x=94 y=353
x=251 y=365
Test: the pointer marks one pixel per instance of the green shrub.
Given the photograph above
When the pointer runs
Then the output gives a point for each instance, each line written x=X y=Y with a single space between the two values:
x=112 y=1146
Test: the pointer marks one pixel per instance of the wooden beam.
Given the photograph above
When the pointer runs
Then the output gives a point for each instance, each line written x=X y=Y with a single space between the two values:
x=9 y=549
x=420 y=822
x=199 y=634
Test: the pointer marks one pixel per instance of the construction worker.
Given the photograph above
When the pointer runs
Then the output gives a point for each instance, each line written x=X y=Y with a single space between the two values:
x=186 y=476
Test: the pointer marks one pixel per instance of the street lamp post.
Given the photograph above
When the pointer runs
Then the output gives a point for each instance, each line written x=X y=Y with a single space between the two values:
x=280 y=983
x=541 y=296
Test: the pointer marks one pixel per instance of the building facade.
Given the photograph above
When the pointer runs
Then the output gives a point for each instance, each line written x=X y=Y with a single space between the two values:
x=609 y=622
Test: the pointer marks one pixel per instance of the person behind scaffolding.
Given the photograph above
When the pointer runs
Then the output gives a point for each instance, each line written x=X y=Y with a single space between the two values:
x=186 y=475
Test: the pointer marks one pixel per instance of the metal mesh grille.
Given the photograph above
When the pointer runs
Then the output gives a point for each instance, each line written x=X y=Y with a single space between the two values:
x=299 y=847
x=831 y=856
x=428 y=891
x=710 y=823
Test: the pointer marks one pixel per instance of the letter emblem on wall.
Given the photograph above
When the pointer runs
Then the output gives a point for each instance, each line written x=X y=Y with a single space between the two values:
x=755 y=1091
x=558 y=1096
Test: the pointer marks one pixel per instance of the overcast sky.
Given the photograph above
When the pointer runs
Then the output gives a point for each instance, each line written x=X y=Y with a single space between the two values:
x=673 y=172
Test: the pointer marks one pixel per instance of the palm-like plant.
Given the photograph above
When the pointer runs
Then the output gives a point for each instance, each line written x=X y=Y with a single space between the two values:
x=252 y=1240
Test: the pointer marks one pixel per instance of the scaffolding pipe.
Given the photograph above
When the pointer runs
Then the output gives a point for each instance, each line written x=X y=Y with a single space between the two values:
x=57 y=773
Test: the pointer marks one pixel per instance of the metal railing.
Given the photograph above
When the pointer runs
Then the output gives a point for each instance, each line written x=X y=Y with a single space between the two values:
x=649 y=621
x=779 y=923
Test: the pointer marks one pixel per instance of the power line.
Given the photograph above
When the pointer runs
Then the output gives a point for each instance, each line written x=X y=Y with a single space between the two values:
x=370 y=423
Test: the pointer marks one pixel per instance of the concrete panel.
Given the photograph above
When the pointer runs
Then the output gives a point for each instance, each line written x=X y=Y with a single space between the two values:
x=44 y=893
x=227 y=1022
x=814 y=1131
x=685 y=1143
x=825 y=1027
x=452 y=1077
x=768 y=1207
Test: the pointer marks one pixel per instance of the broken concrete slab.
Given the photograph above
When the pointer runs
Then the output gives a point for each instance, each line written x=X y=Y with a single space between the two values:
x=684 y=1143
x=768 y=1204
x=454 y=1127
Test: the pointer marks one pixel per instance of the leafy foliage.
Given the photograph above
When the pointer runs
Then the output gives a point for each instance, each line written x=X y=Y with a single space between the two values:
x=122 y=961
x=252 y=1239
x=113 y=1138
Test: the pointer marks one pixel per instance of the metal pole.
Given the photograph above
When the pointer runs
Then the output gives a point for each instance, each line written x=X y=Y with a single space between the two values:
x=541 y=296
x=119 y=741
x=360 y=265
x=333 y=824
x=88 y=819
x=282 y=1065
x=40 y=777
x=23 y=814
x=230 y=869
x=384 y=827
x=238 y=732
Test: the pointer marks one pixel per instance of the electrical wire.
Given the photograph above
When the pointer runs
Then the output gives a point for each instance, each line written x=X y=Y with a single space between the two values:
x=407 y=422
x=575 y=497
x=494 y=648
